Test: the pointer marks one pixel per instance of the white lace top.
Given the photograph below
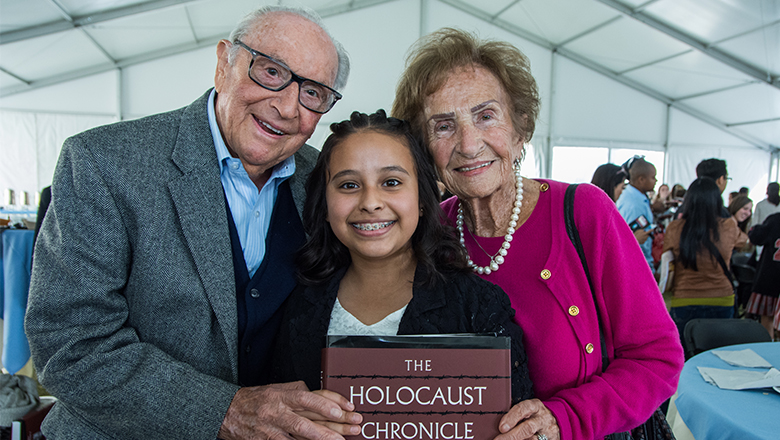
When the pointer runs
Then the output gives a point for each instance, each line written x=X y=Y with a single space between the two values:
x=343 y=323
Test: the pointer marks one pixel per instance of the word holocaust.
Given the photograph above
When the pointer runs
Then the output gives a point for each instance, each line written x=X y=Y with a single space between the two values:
x=422 y=396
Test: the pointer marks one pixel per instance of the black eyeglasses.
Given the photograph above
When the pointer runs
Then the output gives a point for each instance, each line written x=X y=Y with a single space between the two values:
x=274 y=76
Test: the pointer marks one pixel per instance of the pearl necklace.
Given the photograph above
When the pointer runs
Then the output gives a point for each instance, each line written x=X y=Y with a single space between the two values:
x=497 y=259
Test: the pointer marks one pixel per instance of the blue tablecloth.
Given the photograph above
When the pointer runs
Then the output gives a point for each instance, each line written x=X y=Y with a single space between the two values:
x=713 y=414
x=16 y=259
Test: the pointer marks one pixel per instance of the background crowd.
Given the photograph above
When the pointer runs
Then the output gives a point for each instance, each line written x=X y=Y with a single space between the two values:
x=712 y=259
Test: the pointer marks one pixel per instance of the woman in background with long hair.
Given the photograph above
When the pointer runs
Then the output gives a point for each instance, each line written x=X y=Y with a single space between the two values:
x=611 y=179
x=742 y=210
x=701 y=243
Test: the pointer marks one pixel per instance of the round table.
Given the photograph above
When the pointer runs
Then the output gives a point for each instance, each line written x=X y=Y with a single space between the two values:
x=711 y=413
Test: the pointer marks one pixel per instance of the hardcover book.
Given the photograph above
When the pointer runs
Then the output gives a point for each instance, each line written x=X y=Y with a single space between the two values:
x=29 y=426
x=424 y=387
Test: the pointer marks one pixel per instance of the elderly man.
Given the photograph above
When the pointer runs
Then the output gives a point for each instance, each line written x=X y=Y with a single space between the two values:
x=633 y=203
x=168 y=249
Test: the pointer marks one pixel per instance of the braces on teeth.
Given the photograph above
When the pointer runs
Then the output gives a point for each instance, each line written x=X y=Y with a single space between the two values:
x=372 y=226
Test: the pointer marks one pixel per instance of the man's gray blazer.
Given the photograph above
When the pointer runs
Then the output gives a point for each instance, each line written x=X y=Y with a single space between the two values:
x=132 y=309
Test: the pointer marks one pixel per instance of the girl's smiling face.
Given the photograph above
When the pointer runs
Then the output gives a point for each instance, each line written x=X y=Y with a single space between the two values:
x=372 y=196
x=744 y=213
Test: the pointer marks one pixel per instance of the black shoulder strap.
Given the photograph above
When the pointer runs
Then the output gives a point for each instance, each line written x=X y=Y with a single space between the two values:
x=574 y=236
x=724 y=267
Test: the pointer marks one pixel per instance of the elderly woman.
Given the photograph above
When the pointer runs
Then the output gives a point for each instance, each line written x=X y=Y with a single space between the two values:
x=475 y=105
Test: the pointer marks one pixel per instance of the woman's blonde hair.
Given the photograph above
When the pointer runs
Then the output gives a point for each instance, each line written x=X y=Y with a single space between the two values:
x=433 y=58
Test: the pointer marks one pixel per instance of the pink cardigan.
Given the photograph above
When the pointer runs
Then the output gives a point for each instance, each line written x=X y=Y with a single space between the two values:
x=555 y=309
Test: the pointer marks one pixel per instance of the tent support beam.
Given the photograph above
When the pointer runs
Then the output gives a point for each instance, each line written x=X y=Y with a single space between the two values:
x=694 y=43
x=151 y=56
x=76 y=22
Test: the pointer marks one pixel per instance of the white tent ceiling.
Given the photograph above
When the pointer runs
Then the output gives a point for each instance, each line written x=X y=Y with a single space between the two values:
x=716 y=60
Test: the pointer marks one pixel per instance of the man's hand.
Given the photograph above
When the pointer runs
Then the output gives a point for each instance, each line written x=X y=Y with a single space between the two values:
x=277 y=412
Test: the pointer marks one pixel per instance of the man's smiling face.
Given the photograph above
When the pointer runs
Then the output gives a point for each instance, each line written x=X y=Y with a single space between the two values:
x=261 y=127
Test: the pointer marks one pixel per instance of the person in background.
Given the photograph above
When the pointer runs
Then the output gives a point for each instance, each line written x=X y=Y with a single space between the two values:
x=716 y=170
x=168 y=247
x=43 y=206
x=660 y=202
x=732 y=195
x=742 y=209
x=744 y=191
x=766 y=285
x=678 y=192
x=768 y=206
x=611 y=179
x=698 y=242
x=475 y=104
x=378 y=260
x=634 y=206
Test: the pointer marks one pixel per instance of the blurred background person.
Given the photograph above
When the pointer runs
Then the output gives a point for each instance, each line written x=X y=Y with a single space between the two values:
x=661 y=199
x=741 y=208
x=768 y=206
x=611 y=179
x=732 y=196
x=701 y=243
x=634 y=205
x=763 y=301
x=716 y=170
x=678 y=192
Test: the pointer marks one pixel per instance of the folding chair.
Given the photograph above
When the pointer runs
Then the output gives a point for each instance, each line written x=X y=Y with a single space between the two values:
x=705 y=334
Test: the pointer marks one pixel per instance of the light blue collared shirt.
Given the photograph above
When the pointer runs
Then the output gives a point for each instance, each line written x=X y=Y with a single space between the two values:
x=631 y=204
x=251 y=209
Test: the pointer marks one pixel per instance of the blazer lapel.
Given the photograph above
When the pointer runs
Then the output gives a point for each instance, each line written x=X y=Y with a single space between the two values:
x=200 y=204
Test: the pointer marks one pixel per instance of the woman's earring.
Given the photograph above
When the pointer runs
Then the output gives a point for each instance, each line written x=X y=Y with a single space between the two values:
x=516 y=164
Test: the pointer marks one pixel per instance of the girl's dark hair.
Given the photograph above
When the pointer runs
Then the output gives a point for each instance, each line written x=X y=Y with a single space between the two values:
x=701 y=211
x=738 y=203
x=434 y=244
x=607 y=177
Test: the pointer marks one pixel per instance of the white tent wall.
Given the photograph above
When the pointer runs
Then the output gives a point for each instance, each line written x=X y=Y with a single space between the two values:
x=691 y=140
x=34 y=125
x=580 y=107
x=167 y=83
x=747 y=167
x=376 y=39
x=591 y=109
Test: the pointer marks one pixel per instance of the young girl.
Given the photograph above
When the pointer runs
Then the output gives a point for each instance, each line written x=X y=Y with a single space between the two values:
x=378 y=260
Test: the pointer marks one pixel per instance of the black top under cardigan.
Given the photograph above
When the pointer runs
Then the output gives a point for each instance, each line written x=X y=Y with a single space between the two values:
x=463 y=303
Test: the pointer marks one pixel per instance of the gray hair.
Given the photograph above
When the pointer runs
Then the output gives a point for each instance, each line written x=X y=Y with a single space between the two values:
x=246 y=24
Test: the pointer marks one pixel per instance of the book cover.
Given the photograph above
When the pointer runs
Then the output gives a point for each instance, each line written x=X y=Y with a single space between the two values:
x=29 y=426
x=425 y=387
